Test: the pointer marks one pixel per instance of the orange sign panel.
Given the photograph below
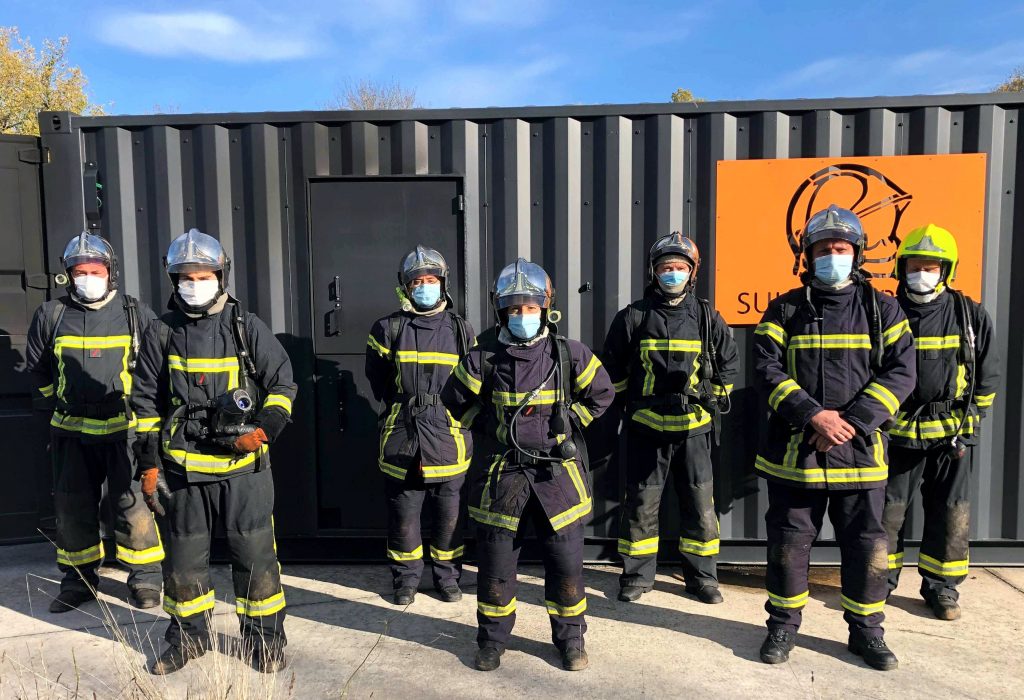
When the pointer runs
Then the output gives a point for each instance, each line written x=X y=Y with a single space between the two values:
x=763 y=204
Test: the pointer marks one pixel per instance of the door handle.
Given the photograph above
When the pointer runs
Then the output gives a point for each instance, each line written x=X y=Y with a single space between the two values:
x=332 y=326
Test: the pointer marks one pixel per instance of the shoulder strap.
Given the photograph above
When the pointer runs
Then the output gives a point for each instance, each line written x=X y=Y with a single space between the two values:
x=963 y=319
x=394 y=330
x=131 y=314
x=636 y=320
x=242 y=341
x=565 y=373
x=53 y=321
x=874 y=315
x=788 y=311
x=164 y=331
x=461 y=335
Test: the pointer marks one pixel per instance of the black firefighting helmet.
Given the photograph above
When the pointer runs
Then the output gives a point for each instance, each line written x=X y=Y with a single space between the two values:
x=674 y=244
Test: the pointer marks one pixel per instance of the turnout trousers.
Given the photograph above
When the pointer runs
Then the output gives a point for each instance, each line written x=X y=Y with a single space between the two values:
x=649 y=462
x=564 y=594
x=80 y=468
x=945 y=494
x=243 y=505
x=794 y=521
x=405 y=543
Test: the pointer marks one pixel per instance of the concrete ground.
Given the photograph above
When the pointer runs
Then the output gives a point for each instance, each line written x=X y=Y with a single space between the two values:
x=347 y=640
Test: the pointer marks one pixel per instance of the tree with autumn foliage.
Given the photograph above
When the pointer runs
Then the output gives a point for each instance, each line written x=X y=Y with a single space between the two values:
x=32 y=81
x=1014 y=83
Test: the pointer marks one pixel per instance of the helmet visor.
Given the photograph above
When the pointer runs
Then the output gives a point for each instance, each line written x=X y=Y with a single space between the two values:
x=833 y=223
x=522 y=283
x=195 y=251
x=87 y=247
x=422 y=261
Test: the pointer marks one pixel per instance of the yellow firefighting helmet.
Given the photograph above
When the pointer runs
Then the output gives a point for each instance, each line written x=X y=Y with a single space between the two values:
x=928 y=241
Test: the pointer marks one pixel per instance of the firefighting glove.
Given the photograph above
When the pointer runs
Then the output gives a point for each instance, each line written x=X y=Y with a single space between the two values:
x=250 y=442
x=153 y=487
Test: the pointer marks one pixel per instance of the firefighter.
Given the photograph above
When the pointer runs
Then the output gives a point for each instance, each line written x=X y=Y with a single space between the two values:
x=931 y=439
x=213 y=390
x=424 y=451
x=834 y=359
x=81 y=353
x=532 y=391
x=673 y=362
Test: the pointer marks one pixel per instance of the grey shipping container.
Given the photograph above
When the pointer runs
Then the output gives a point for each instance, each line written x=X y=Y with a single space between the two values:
x=315 y=208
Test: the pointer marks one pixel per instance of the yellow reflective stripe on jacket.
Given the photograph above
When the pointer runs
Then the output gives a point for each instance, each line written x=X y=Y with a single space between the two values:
x=944 y=342
x=893 y=333
x=816 y=475
x=260 y=608
x=212 y=464
x=896 y=560
x=428 y=358
x=496 y=610
x=381 y=350
x=586 y=417
x=836 y=341
x=78 y=342
x=92 y=426
x=862 y=608
x=719 y=390
x=446 y=554
x=781 y=392
x=80 y=557
x=279 y=400
x=773 y=331
x=149 y=425
x=443 y=470
x=883 y=396
x=46 y=391
x=396 y=555
x=187 y=608
x=566 y=610
x=672 y=424
x=640 y=548
x=698 y=548
x=581 y=509
x=621 y=386
x=588 y=374
x=790 y=603
x=471 y=382
x=142 y=556
x=389 y=427
x=648 y=345
x=942 y=568
x=984 y=400
x=509 y=399
x=486 y=517
x=206 y=365
x=918 y=429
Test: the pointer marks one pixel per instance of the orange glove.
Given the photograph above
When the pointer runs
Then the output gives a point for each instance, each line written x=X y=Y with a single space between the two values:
x=154 y=486
x=250 y=442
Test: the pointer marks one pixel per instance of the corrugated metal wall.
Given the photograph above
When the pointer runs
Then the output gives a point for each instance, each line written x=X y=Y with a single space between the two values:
x=582 y=190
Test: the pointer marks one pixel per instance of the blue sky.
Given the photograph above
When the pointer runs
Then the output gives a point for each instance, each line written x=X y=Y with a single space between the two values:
x=260 y=55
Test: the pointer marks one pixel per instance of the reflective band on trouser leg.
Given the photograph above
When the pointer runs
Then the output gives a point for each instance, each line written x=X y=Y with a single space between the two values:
x=642 y=548
x=864 y=609
x=188 y=608
x=260 y=608
x=896 y=561
x=789 y=603
x=446 y=555
x=566 y=610
x=415 y=554
x=700 y=549
x=496 y=610
x=947 y=569
x=81 y=557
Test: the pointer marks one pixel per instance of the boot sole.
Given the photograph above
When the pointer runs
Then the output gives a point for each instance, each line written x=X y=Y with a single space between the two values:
x=772 y=660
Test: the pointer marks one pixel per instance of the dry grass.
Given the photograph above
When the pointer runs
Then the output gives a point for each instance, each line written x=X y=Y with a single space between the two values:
x=221 y=674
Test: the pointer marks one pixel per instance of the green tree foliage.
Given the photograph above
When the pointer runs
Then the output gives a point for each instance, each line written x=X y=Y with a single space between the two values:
x=683 y=95
x=32 y=81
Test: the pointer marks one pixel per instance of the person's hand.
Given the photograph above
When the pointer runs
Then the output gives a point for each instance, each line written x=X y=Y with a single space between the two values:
x=250 y=442
x=153 y=487
x=830 y=430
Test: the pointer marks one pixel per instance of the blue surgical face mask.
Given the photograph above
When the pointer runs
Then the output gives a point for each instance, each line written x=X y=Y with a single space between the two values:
x=673 y=278
x=833 y=269
x=425 y=296
x=524 y=326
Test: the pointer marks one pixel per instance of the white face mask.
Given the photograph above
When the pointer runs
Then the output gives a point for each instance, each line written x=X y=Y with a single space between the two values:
x=198 y=293
x=923 y=282
x=91 y=287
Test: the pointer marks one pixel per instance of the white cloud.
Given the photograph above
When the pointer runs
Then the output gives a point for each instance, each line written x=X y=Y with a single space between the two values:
x=207 y=34
x=532 y=82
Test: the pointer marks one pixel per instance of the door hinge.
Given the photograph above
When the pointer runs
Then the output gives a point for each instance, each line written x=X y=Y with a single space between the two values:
x=37 y=280
x=460 y=202
x=32 y=156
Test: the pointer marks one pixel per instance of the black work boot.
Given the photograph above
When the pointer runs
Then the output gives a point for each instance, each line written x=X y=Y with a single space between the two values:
x=631 y=593
x=267 y=658
x=777 y=645
x=488 y=658
x=874 y=651
x=174 y=658
x=706 y=593
x=943 y=606
x=70 y=600
x=574 y=659
x=405 y=595
x=450 y=594
x=144 y=598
